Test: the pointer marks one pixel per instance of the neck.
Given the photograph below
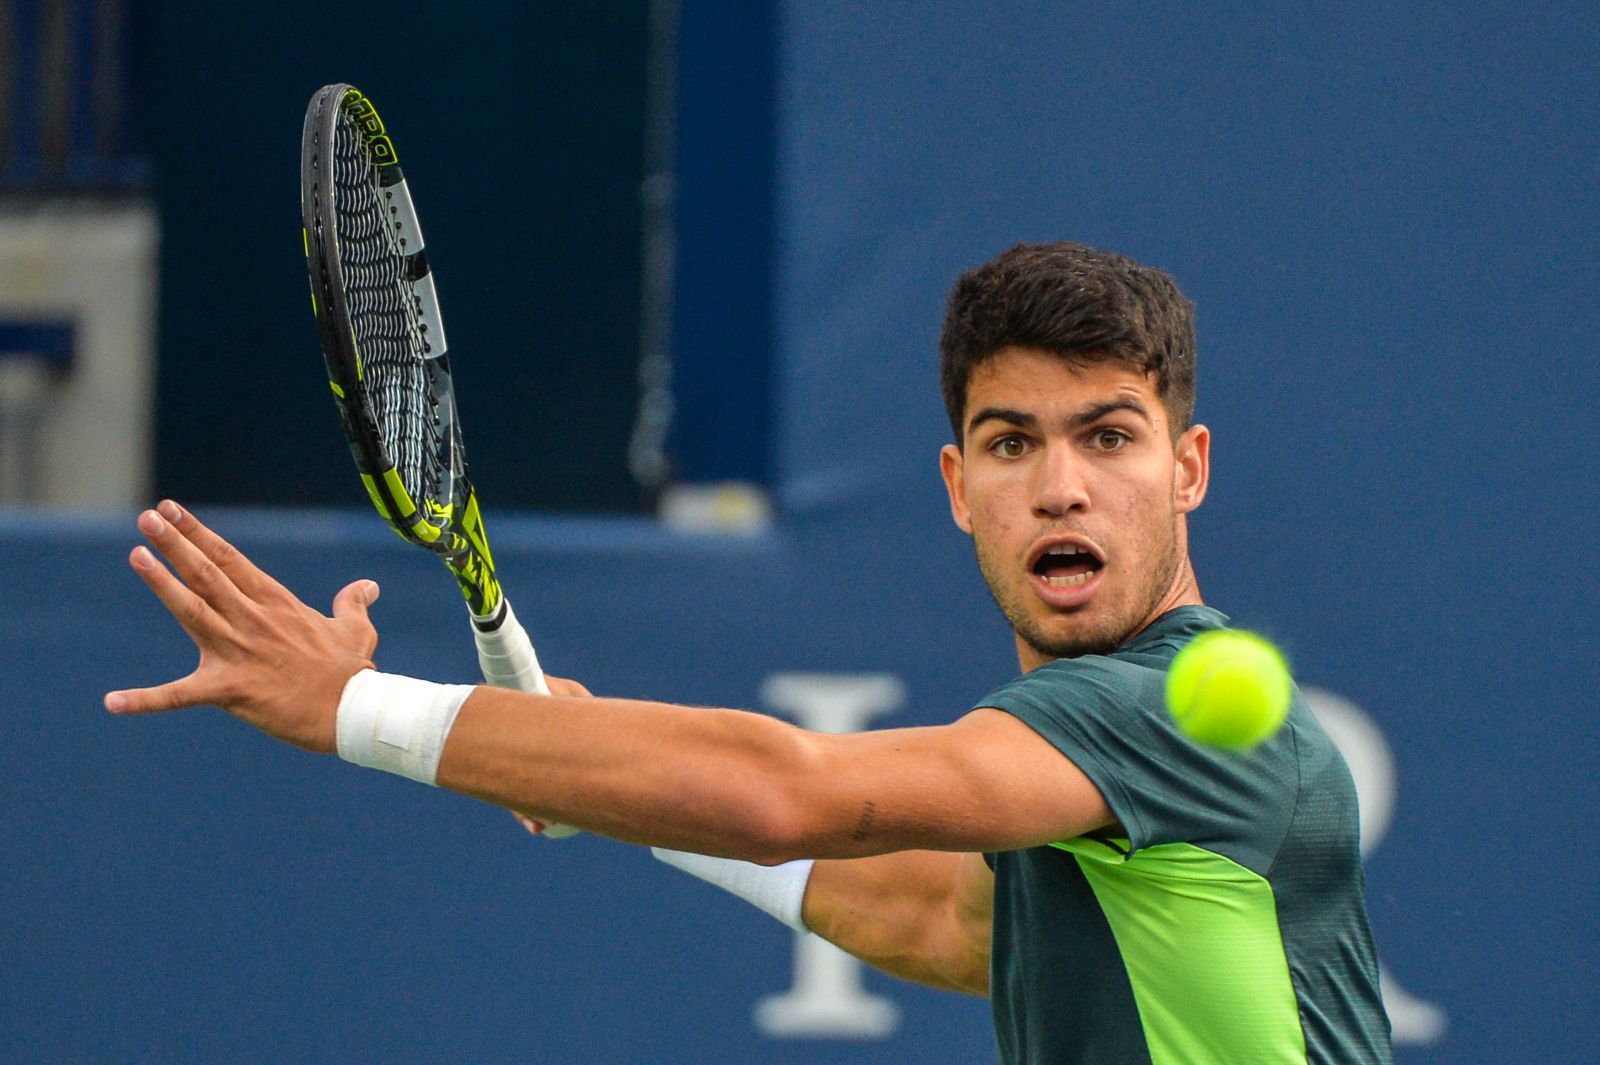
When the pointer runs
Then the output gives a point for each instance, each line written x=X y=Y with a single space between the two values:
x=1185 y=591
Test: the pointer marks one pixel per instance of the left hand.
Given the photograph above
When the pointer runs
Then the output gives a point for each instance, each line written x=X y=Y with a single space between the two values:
x=265 y=656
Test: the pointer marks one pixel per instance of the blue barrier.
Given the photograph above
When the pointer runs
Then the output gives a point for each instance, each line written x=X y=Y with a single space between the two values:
x=178 y=888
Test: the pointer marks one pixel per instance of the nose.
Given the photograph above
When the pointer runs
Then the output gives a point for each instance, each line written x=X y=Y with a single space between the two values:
x=1060 y=483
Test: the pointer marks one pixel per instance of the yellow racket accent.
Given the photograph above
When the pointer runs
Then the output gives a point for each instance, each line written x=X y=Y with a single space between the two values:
x=472 y=525
x=439 y=515
x=426 y=532
x=372 y=491
x=359 y=108
x=355 y=349
x=397 y=492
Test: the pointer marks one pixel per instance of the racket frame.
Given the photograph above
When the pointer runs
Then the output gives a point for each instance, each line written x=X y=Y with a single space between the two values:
x=449 y=521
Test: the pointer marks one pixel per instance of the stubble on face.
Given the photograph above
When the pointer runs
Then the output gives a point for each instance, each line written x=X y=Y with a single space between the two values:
x=1036 y=466
x=1099 y=633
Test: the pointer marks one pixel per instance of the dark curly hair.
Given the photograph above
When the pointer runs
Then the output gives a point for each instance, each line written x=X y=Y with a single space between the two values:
x=1084 y=305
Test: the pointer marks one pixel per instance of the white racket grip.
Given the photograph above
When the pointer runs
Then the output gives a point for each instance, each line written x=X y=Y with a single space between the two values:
x=507 y=659
x=506 y=656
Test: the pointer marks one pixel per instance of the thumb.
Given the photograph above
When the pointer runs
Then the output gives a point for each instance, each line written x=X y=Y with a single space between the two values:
x=353 y=600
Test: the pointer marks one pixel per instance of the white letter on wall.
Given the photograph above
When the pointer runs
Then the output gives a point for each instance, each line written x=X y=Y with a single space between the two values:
x=827 y=998
x=1372 y=766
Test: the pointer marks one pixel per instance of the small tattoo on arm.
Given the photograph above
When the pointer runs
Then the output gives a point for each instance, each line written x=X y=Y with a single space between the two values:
x=869 y=810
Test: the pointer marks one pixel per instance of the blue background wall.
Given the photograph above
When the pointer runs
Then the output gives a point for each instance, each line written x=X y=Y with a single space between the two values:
x=1388 y=222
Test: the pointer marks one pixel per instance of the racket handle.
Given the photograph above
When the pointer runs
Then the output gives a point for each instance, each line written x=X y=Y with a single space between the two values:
x=507 y=659
x=505 y=653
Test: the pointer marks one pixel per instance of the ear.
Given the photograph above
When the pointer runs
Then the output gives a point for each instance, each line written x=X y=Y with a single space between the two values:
x=951 y=464
x=1192 y=472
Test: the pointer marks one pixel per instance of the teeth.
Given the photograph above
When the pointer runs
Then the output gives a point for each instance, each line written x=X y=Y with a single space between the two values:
x=1066 y=549
x=1068 y=582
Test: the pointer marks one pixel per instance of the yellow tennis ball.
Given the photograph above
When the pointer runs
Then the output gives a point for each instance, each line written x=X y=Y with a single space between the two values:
x=1229 y=689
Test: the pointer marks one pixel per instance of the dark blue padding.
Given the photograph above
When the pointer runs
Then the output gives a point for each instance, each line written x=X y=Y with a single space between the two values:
x=50 y=342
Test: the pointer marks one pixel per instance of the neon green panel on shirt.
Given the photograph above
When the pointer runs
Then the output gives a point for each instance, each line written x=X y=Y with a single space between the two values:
x=1199 y=936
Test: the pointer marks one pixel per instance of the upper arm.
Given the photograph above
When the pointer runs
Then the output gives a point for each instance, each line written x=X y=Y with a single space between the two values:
x=988 y=782
x=974 y=903
x=1039 y=795
x=919 y=915
x=1029 y=793
x=967 y=939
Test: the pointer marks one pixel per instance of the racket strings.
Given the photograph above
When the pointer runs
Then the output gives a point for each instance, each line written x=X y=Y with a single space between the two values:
x=387 y=326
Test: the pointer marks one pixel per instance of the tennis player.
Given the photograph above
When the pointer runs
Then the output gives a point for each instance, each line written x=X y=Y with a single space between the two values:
x=1120 y=893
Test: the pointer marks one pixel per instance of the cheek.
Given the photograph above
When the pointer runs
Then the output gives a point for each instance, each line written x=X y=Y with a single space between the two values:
x=1141 y=512
x=995 y=527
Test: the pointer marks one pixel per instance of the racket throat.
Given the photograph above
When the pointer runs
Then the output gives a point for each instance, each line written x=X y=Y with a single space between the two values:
x=495 y=619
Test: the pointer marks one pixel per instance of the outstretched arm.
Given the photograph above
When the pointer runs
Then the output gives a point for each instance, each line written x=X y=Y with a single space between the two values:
x=919 y=915
x=744 y=785
x=721 y=782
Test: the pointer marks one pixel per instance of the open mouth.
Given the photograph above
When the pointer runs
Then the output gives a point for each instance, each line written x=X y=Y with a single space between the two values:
x=1067 y=565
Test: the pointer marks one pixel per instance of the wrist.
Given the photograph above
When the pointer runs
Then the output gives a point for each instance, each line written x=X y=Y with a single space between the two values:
x=397 y=724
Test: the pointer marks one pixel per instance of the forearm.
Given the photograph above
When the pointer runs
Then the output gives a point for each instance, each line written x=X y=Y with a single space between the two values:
x=743 y=785
x=721 y=782
x=732 y=783
x=906 y=914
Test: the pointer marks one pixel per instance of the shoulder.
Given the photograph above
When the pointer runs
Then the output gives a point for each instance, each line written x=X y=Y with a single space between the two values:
x=1108 y=715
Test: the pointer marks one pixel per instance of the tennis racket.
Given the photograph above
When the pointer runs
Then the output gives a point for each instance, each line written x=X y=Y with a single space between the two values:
x=378 y=316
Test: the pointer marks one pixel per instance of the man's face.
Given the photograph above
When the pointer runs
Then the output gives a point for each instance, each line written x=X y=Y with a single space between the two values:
x=1074 y=493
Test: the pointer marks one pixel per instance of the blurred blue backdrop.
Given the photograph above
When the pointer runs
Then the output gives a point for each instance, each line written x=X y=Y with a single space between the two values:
x=1388 y=220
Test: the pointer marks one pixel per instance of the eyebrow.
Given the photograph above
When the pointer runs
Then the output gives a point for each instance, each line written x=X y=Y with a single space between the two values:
x=1084 y=417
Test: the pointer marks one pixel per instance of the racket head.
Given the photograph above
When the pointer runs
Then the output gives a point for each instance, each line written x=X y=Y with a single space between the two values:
x=383 y=340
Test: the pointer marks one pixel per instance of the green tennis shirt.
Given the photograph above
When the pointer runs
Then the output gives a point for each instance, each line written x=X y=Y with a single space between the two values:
x=1221 y=924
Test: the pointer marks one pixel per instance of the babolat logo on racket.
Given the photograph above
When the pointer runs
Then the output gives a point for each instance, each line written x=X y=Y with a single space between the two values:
x=365 y=116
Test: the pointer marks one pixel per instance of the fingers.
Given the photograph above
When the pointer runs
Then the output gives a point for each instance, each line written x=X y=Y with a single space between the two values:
x=350 y=609
x=203 y=576
x=532 y=825
x=198 y=619
x=174 y=695
x=244 y=574
x=353 y=600
x=562 y=686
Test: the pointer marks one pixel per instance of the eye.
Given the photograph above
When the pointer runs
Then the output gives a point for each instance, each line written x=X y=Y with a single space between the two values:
x=1109 y=439
x=1010 y=446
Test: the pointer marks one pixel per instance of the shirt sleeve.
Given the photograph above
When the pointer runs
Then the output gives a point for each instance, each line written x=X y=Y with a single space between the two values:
x=1110 y=719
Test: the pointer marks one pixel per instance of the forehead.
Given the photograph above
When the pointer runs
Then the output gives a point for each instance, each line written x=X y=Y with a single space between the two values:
x=1044 y=384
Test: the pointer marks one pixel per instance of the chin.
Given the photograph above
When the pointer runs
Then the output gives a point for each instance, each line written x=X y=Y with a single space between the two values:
x=1075 y=649
x=1087 y=640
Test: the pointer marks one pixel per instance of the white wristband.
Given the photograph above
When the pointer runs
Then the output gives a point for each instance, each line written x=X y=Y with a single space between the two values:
x=397 y=724
x=778 y=890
